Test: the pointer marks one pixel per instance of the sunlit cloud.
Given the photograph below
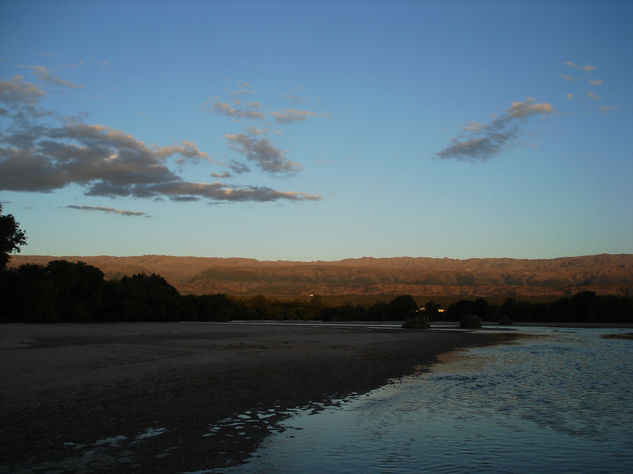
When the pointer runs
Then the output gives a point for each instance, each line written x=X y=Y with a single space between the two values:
x=122 y=212
x=488 y=140
x=43 y=74
x=570 y=96
x=596 y=82
x=568 y=78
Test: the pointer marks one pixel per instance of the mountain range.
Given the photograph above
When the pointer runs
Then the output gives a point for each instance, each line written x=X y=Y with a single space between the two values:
x=604 y=274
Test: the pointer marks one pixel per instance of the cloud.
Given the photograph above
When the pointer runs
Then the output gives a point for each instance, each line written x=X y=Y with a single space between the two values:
x=227 y=109
x=109 y=162
x=523 y=109
x=474 y=126
x=122 y=212
x=488 y=140
x=106 y=161
x=224 y=192
x=244 y=88
x=224 y=175
x=263 y=153
x=256 y=131
x=585 y=68
x=569 y=78
x=238 y=168
x=596 y=82
x=43 y=74
x=41 y=152
x=293 y=115
x=302 y=99
x=570 y=96
x=607 y=109
x=593 y=96
x=18 y=92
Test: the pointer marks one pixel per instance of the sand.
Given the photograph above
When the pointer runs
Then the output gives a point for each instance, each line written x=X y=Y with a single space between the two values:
x=174 y=397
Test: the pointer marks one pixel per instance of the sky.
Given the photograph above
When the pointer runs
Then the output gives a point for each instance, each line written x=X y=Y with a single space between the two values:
x=296 y=130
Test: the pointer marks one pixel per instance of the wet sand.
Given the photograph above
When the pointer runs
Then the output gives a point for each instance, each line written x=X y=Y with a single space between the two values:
x=174 y=397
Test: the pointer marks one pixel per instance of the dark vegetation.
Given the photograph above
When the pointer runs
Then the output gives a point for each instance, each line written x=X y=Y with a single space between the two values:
x=11 y=237
x=584 y=307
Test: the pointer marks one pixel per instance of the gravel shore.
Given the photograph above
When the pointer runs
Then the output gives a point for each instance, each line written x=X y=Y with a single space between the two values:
x=174 y=397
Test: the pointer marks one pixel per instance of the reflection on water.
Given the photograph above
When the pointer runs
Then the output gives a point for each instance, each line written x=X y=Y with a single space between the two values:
x=561 y=402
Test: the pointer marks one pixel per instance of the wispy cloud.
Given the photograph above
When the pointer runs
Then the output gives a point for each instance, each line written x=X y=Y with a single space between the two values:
x=46 y=55
x=585 y=68
x=227 y=109
x=122 y=212
x=607 y=109
x=293 y=115
x=244 y=88
x=593 y=96
x=224 y=175
x=238 y=168
x=570 y=96
x=43 y=74
x=569 y=78
x=262 y=152
x=224 y=192
x=474 y=126
x=16 y=91
x=488 y=140
x=596 y=82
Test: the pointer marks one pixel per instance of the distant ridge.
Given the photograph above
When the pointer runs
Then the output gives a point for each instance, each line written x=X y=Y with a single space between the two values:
x=604 y=274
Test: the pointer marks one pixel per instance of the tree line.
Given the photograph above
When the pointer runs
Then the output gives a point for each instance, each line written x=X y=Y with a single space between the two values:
x=584 y=307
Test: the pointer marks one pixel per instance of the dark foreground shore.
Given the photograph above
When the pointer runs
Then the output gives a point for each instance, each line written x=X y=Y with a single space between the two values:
x=159 y=397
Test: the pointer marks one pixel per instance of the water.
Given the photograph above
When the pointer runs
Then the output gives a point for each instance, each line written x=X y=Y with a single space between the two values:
x=561 y=402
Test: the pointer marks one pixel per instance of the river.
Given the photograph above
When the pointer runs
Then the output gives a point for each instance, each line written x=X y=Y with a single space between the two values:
x=559 y=401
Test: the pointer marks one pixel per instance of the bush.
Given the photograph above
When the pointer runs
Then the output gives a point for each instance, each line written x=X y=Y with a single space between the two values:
x=505 y=320
x=417 y=322
x=470 y=321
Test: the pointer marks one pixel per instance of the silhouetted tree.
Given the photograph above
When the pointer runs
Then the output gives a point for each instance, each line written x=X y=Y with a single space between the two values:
x=11 y=237
x=402 y=307
x=431 y=310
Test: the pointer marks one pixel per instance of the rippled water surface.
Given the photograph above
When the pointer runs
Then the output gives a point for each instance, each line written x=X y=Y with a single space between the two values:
x=560 y=402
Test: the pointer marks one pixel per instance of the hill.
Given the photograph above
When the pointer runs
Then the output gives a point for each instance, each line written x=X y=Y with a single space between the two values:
x=604 y=274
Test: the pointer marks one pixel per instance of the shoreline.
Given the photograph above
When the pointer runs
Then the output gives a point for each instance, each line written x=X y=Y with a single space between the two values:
x=185 y=397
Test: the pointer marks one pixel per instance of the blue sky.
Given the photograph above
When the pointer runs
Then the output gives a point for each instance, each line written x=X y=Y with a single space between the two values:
x=318 y=130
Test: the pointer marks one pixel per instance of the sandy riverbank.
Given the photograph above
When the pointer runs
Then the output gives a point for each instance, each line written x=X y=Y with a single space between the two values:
x=152 y=397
